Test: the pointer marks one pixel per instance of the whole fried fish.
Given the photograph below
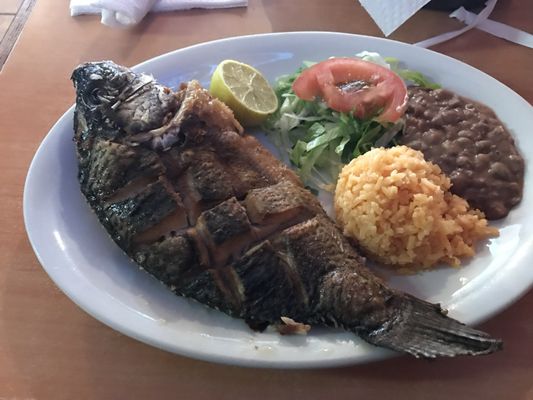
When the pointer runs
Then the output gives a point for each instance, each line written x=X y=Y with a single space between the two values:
x=214 y=216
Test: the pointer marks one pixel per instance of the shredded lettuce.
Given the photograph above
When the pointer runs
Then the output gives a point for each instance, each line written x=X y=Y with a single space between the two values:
x=317 y=140
x=410 y=76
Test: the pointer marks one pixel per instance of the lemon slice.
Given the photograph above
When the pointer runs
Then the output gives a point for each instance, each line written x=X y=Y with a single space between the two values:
x=245 y=91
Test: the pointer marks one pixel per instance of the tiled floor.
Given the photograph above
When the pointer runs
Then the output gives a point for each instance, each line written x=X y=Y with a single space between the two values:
x=5 y=21
x=10 y=6
x=13 y=15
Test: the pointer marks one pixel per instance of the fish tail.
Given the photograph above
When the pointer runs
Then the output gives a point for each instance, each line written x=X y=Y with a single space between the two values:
x=423 y=330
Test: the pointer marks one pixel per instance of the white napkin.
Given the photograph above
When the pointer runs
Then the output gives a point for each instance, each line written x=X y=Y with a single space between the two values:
x=390 y=14
x=130 y=12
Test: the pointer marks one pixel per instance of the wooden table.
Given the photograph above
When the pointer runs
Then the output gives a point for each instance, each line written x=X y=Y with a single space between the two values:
x=50 y=349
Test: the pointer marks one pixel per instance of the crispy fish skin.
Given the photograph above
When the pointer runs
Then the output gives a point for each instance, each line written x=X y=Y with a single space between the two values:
x=215 y=217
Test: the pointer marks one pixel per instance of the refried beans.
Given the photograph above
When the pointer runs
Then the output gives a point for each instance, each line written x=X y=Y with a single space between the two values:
x=471 y=146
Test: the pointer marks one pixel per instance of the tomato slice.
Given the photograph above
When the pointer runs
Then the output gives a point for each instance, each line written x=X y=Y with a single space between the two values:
x=376 y=88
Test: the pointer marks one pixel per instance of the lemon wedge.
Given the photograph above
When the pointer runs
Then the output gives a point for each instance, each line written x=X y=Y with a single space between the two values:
x=245 y=90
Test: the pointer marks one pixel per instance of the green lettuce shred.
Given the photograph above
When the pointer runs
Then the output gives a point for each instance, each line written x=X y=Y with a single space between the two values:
x=319 y=141
x=411 y=76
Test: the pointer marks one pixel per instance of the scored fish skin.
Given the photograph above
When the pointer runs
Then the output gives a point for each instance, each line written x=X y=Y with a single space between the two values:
x=210 y=213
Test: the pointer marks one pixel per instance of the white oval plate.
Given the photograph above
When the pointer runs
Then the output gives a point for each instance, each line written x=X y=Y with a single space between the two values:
x=81 y=259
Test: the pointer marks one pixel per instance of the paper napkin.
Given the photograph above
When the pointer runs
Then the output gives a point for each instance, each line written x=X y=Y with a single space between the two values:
x=130 y=12
x=390 y=14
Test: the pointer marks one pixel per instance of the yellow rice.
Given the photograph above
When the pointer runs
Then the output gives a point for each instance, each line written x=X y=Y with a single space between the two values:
x=398 y=208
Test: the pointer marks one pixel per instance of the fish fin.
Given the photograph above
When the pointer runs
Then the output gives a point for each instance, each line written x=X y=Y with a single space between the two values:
x=423 y=330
